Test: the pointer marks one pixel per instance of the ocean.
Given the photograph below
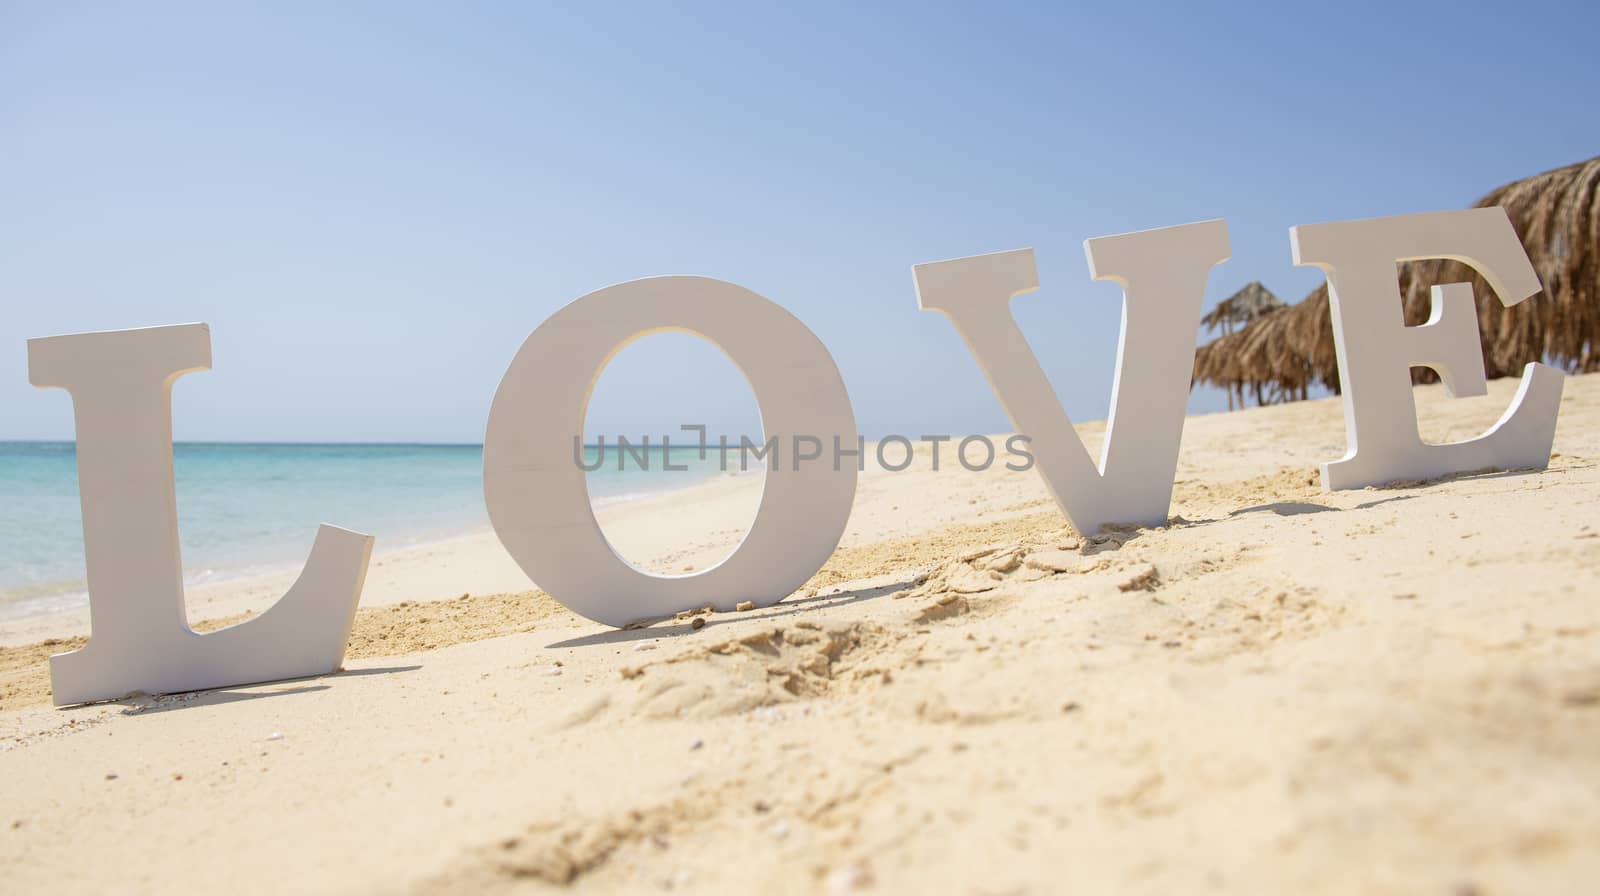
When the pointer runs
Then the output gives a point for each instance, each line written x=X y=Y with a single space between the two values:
x=252 y=508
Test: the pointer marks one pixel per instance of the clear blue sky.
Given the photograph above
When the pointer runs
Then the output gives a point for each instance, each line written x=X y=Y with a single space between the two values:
x=373 y=204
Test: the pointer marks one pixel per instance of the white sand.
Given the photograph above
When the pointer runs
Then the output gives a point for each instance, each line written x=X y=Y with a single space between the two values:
x=1382 y=691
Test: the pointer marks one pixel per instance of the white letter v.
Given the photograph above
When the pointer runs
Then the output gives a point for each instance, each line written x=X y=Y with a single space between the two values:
x=1163 y=277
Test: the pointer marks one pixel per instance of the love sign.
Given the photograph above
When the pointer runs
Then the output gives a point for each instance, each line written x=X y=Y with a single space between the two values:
x=537 y=497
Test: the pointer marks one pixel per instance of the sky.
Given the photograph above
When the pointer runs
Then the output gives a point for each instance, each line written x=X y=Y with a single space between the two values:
x=373 y=204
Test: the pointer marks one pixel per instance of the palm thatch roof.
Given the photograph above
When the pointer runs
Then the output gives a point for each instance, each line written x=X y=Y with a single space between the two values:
x=1244 y=306
x=1279 y=356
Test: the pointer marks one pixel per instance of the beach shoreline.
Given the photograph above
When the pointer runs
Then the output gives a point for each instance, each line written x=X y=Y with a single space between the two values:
x=248 y=512
x=435 y=567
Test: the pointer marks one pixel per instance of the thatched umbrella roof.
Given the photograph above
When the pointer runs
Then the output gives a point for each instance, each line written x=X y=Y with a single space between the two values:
x=1278 y=357
x=1557 y=216
x=1244 y=306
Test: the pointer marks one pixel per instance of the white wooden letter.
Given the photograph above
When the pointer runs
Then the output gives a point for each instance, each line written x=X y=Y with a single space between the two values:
x=1377 y=350
x=538 y=497
x=1163 y=278
x=121 y=387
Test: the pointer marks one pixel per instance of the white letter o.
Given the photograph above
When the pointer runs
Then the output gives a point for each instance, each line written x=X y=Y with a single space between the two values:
x=538 y=497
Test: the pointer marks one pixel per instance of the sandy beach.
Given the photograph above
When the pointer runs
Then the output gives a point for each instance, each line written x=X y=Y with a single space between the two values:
x=1391 y=690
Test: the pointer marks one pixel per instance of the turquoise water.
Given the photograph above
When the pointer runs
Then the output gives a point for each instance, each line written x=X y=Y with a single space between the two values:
x=249 y=508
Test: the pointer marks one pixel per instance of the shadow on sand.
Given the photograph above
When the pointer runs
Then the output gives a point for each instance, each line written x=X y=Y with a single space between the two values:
x=145 y=704
x=680 y=627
